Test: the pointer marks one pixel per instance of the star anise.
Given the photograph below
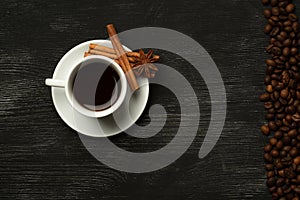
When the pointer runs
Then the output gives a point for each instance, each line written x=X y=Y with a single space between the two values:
x=143 y=64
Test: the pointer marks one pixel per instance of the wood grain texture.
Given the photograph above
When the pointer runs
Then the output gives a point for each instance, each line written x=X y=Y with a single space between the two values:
x=42 y=158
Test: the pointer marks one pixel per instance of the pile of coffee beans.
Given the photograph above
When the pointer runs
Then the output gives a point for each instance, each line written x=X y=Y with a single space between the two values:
x=282 y=100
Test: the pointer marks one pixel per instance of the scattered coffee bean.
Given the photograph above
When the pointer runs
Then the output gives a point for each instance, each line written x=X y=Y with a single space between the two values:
x=268 y=28
x=275 y=11
x=292 y=133
x=290 y=8
x=293 y=152
x=282 y=100
x=264 y=97
x=267 y=13
x=265 y=130
x=273 y=141
x=284 y=93
x=274 y=153
x=294 y=51
x=274 y=2
x=265 y=2
x=286 y=51
x=297 y=160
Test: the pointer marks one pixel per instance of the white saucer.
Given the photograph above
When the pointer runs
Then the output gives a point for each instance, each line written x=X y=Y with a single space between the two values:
x=96 y=127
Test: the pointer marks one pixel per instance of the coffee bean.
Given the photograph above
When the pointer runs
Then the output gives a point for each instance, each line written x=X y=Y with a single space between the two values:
x=290 y=8
x=286 y=51
x=290 y=109
x=297 y=189
x=274 y=195
x=282 y=100
x=294 y=142
x=268 y=105
x=280 y=182
x=297 y=160
x=283 y=4
x=269 y=167
x=268 y=28
x=268 y=158
x=277 y=44
x=272 y=125
x=279 y=145
x=268 y=148
x=271 y=182
x=269 y=116
x=265 y=130
x=294 y=42
x=275 y=30
x=279 y=191
x=292 y=35
x=265 y=2
x=286 y=42
x=274 y=2
x=280 y=115
x=284 y=93
x=288 y=29
x=292 y=133
x=298 y=94
x=275 y=19
x=288 y=195
x=267 y=80
x=276 y=51
x=280 y=39
x=278 y=135
x=297 y=170
x=293 y=61
x=286 y=140
x=267 y=13
x=283 y=17
x=287 y=148
x=270 y=173
x=293 y=152
x=293 y=17
x=295 y=27
x=269 y=88
x=272 y=111
x=289 y=173
x=271 y=63
x=281 y=173
x=283 y=34
x=287 y=23
x=264 y=97
x=294 y=51
x=276 y=77
x=273 y=141
x=274 y=153
x=278 y=124
x=276 y=94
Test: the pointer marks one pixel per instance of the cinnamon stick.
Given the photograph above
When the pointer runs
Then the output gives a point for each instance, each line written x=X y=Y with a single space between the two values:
x=102 y=53
x=87 y=54
x=112 y=51
x=118 y=62
x=109 y=55
x=102 y=48
x=122 y=57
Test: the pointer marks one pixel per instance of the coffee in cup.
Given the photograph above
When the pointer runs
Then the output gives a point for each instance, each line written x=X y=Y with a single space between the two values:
x=95 y=86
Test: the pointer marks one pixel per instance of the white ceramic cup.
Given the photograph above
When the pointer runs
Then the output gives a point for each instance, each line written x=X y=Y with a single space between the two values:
x=67 y=85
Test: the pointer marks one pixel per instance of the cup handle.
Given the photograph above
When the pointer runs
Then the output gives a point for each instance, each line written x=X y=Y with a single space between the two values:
x=55 y=83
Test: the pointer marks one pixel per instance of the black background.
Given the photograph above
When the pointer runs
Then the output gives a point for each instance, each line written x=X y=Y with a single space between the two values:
x=42 y=158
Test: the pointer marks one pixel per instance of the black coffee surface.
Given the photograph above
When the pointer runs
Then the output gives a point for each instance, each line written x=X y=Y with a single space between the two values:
x=96 y=86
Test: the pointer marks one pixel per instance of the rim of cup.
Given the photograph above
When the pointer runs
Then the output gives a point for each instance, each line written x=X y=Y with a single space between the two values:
x=80 y=108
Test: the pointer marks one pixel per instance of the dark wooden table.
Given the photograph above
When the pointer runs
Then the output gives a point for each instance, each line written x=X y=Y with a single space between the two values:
x=42 y=158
